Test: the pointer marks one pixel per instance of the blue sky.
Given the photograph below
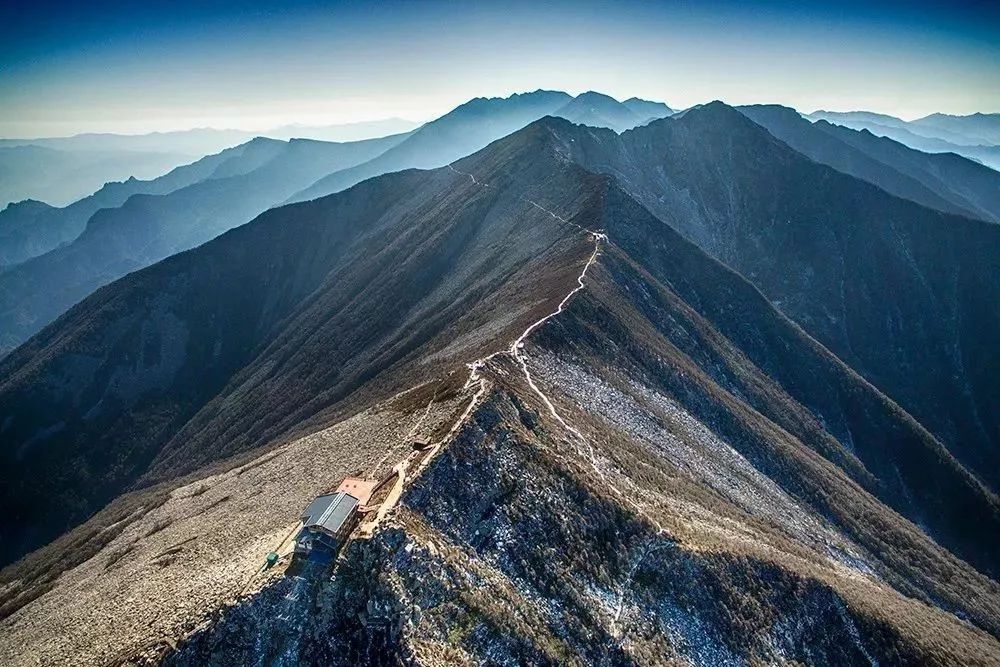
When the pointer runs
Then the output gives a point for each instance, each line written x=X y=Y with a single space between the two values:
x=130 y=67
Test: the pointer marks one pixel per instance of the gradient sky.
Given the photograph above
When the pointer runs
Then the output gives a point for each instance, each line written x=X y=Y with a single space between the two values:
x=137 y=67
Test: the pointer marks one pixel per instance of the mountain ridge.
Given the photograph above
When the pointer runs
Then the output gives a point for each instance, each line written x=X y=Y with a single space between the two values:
x=690 y=196
x=148 y=227
x=646 y=441
x=925 y=136
x=947 y=183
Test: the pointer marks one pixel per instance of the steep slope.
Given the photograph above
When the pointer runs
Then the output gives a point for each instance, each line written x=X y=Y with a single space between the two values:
x=772 y=366
x=636 y=477
x=945 y=182
x=831 y=252
x=32 y=228
x=303 y=309
x=148 y=227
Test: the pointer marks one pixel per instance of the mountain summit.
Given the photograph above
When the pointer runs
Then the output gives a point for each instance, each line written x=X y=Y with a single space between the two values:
x=598 y=110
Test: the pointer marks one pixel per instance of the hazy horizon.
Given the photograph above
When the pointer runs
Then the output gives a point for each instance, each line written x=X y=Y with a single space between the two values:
x=117 y=67
x=247 y=128
x=255 y=127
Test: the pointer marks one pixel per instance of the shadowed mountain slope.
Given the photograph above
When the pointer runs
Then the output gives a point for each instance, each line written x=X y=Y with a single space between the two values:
x=224 y=348
x=903 y=294
x=31 y=228
x=146 y=228
x=946 y=182
x=768 y=363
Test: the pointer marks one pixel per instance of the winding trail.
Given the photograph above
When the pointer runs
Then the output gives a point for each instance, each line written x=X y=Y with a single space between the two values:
x=516 y=350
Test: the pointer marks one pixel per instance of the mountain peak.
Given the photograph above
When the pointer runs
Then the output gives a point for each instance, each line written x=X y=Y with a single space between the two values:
x=648 y=109
x=599 y=110
x=27 y=205
x=592 y=96
x=711 y=113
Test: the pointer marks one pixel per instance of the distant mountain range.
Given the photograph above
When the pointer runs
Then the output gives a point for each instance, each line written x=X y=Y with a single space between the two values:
x=693 y=394
x=976 y=136
x=61 y=177
x=61 y=170
x=239 y=183
x=149 y=221
x=31 y=228
x=203 y=141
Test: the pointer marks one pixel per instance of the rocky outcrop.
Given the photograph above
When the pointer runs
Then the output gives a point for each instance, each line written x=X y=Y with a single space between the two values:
x=513 y=549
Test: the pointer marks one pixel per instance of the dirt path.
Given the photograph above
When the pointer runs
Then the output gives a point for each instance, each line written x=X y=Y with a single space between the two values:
x=368 y=528
x=516 y=351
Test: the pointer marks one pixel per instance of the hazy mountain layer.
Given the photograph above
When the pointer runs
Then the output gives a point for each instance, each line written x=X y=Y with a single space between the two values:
x=227 y=190
x=462 y=131
x=475 y=124
x=946 y=182
x=646 y=109
x=203 y=141
x=59 y=177
x=982 y=128
x=599 y=110
x=929 y=136
x=32 y=228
